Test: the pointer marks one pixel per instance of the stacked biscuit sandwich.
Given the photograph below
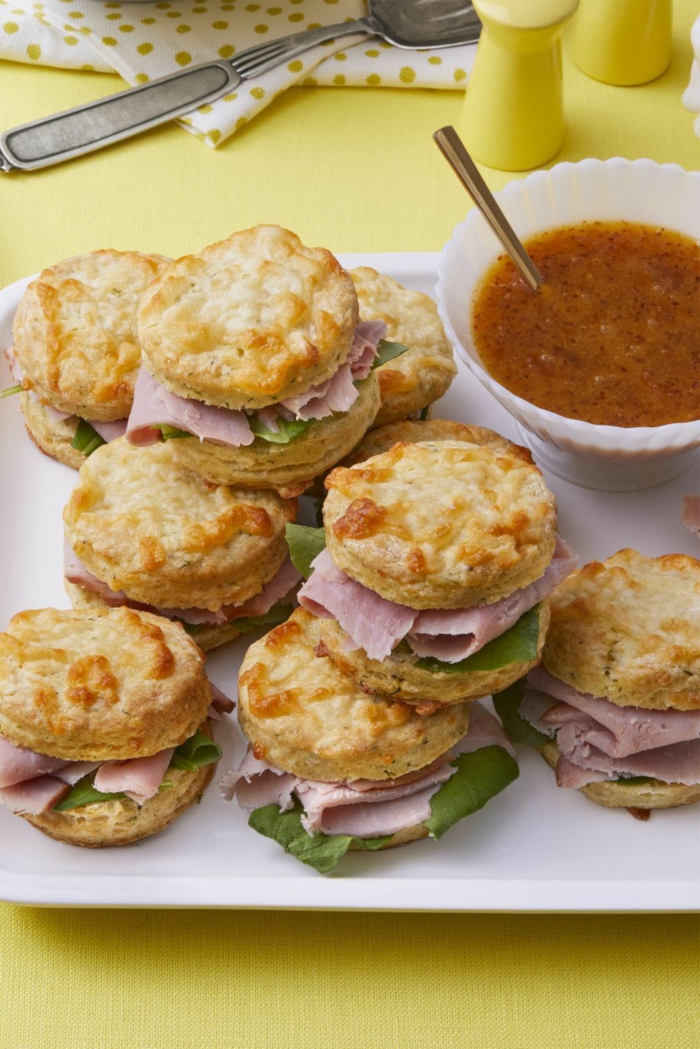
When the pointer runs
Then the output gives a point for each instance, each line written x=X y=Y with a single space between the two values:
x=104 y=723
x=615 y=706
x=431 y=590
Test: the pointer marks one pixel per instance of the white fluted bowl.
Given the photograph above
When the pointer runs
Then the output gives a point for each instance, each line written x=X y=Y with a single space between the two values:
x=609 y=458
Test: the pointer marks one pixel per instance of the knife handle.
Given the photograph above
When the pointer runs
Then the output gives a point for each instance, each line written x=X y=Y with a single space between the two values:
x=96 y=124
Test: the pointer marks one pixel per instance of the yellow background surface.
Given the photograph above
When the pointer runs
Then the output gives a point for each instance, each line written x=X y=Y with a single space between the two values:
x=353 y=170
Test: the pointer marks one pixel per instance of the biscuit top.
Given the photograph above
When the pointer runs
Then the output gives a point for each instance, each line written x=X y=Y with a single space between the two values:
x=107 y=685
x=304 y=715
x=441 y=524
x=413 y=431
x=248 y=321
x=75 y=332
x=144 y=523
x=628 y=629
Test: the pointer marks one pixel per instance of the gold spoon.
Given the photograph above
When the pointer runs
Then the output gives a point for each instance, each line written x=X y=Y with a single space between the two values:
x=455 y=152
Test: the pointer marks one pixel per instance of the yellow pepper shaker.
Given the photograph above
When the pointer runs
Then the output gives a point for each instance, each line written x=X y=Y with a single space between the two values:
x=513 y=113
x=623 y=42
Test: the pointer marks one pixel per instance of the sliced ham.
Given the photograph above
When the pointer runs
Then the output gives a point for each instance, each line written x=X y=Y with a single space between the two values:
x=75 y=771
x=18 y=764
x=33 y=796
x=371 y=622
x=377 y=625
x=220 y=704
x=109 y=431
x=138 y=778
x=339 y=393
x=361 y=808
x=155 y=406
x=620 y=731
x=279 y=586
x=455 y=634
x=13 y=364
x=691 y=513
x=677 y=763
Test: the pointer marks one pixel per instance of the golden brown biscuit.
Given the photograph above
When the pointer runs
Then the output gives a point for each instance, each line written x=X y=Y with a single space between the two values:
x=399 y=677
x=628 y=629
x=75 y=332
x=304 y=715
x=88 y=685
x=249 y=321
x=122 y=821
x=288 y=468
x=51 y=436
x=144 y=523
x=412 y=431
x=441 y=524
x=207 y=635
x=653 y=794
x=414 y=380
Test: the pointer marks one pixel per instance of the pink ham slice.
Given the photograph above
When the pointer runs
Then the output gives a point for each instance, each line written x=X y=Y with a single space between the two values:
x=109 y=431
x=220 y=704
x=372 y=622
x=377 y=625
x=455 y=634
x=677 y=763
x=138 y=778
x=619 y=731
x=155 y=406
x=362 y=808
x=33 y=796
x=279 y=586
x=18 y=764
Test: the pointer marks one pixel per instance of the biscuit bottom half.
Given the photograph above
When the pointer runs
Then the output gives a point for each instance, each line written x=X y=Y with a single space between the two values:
x=207 y=636
x=51 y=436
x=122 y=821
x=399 y=676
x=616 y=794
x=291 y=467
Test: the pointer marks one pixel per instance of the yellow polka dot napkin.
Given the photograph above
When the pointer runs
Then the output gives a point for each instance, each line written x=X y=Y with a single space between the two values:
x=142 y=41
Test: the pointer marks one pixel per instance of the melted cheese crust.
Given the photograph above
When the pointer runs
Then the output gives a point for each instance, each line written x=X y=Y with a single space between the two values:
x=628 y=629
x=88 y=685
x=248 y=321
x=75 y=332
x=144 y=523
x=304 y=715
x=414 y=380
x=441 y=524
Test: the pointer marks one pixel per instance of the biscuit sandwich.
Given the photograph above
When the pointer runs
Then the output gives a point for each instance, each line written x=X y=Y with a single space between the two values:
x=615 y=706
x=254 y=356
x=75 y=354
x=410 y=383
x=331 y=768
x=145 y=531
x=104 y=723
x=439 y=558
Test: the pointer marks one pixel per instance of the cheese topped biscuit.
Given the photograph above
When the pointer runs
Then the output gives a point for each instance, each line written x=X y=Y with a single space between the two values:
x=75 y=332
x=414 y=430
x=628 y=629
x=441 y=524
x=144 y=523
x=248 y=321
x=304 y=715
x=99 y=686
x=420 y=376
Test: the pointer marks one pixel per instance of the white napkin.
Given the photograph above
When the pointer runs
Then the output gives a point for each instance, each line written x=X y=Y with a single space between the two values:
x=142 y=41
x=691 y=96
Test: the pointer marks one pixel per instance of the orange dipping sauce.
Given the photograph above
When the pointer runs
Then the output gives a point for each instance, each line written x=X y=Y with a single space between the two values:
x=612 y=336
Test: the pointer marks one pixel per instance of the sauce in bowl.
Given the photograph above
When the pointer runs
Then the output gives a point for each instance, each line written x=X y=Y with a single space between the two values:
x=612 y=336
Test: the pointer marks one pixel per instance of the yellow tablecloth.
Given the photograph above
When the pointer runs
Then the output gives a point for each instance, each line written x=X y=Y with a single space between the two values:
x=354 y=170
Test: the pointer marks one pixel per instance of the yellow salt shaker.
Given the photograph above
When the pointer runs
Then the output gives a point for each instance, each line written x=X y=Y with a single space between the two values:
x=622 y=42
x=513 y=113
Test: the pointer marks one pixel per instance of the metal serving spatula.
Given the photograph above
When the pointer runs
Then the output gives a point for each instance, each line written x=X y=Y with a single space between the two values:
x=410 y=24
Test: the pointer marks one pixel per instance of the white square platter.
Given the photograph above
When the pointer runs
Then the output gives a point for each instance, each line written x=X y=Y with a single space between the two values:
x=533 y=848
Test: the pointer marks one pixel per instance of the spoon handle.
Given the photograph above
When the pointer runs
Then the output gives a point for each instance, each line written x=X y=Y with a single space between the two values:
x=454 y=151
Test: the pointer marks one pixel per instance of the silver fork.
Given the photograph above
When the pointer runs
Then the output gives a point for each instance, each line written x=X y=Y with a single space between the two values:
x=410 y=24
